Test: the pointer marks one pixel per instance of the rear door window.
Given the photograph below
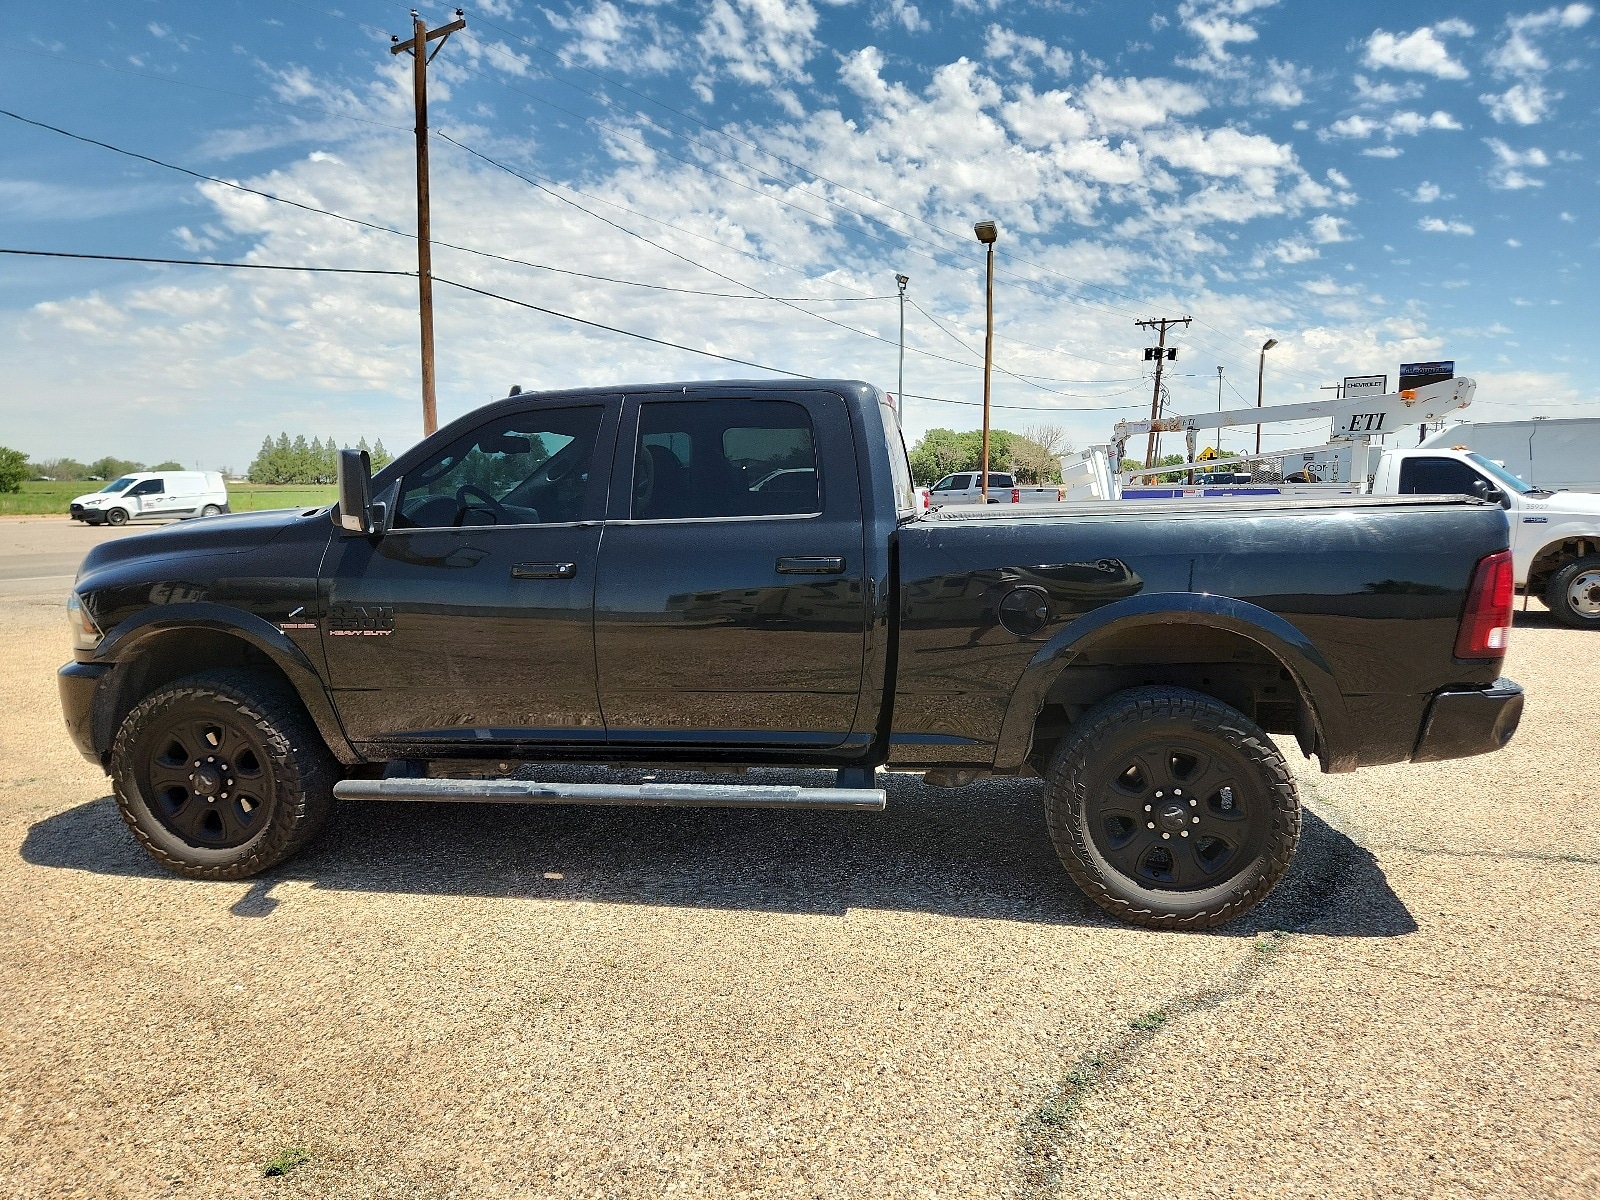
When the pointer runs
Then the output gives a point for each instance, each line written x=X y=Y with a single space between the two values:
x=724 y=458
x=1436 y=477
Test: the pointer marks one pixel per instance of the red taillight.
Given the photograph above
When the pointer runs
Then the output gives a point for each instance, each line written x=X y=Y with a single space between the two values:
x=1486 y=621
x=1016 y=495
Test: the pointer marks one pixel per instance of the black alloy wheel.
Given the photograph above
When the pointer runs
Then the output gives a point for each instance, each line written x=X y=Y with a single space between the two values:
x=221 y=775
x=1172 y=810
x=117 y=516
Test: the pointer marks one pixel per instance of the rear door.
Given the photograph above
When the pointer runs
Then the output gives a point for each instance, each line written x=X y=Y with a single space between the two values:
x=731 y=608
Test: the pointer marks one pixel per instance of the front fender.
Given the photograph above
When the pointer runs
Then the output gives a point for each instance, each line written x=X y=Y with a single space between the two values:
x=1277 y=636
x=124 y=643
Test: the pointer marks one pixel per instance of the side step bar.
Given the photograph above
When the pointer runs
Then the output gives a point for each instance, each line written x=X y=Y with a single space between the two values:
x=654 y=795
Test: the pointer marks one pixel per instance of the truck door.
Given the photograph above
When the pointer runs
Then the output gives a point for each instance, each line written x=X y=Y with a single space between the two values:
x=731 y=607
x=470 y=621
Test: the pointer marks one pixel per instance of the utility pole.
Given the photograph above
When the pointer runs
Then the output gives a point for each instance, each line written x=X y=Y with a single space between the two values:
x=900 y=396
x=1161 y=352
x=987 y=233
x=417 y=47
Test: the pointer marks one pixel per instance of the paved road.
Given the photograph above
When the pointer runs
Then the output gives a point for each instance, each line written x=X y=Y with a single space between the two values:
x=442 y=1002
x=39 y=555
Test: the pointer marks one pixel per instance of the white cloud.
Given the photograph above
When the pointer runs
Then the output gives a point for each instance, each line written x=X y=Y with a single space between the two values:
x=1216 y=23
x=1326 y=228
x=1427 y=193
x=760 y=41
x=1284 y=87
x=1422 y=50
x=1384 y=93
x=1520 y=104
x=902 y=13
x=1383 y=152
x=1399 y=124
x=1513 y=243
x=1018 y=51
x=1517 y=54
x=1508 y=171
x=1337 y=178
x=1435 y=225
x=604 y=35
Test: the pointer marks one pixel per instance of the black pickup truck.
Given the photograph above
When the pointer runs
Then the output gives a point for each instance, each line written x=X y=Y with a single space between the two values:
x=737 y=575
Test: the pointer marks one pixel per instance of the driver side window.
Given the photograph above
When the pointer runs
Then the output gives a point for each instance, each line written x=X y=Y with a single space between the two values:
x=529 y=468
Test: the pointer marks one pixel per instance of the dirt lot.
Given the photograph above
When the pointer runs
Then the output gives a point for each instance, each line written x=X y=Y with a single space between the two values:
x=440 y=1002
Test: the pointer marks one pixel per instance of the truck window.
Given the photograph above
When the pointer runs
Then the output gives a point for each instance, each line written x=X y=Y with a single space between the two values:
x=531 y=468
x=1000 y=481
x=724 y=458
x=150 y=487
x=905 y=492
x=1436 y=477
x=958 y=483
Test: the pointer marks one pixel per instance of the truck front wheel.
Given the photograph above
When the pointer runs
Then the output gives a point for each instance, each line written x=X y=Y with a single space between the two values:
x=1573 y=593
x=1171 y=810
x=222 y=774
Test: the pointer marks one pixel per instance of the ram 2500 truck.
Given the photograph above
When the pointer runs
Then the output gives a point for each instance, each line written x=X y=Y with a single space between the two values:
x=740 y=574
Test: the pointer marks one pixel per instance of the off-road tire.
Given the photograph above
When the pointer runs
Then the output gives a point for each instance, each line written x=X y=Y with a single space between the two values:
x=116 y=516
x=299 y=770
x=1555 y=593
x=1141 y=721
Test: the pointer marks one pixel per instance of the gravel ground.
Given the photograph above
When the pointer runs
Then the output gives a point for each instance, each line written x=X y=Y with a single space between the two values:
x=464 y=1002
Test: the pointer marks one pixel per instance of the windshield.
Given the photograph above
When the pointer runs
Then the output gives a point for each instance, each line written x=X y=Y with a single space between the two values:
x=1504 y=477
x=116 y=485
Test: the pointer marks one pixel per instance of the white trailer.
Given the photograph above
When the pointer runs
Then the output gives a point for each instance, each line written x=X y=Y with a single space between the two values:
x=1562 y=454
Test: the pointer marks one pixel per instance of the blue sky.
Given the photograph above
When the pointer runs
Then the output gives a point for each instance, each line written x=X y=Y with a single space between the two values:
x=1367 y=183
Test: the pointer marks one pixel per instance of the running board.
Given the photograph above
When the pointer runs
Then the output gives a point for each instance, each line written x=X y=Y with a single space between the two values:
x=653 y=795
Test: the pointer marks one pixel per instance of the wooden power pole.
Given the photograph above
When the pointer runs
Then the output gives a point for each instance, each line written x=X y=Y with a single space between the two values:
x=1160 y=352
x=417 y=47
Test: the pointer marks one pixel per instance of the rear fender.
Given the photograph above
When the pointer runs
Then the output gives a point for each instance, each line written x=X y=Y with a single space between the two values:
x=125 y=643
x=1283 y=641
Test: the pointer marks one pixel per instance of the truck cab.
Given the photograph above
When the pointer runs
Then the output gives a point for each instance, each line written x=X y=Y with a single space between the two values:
x=1555 y=536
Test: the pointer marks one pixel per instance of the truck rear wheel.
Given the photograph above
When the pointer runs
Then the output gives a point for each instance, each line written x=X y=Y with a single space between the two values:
x=222 y=774
x=1171 y=810
x=1573 y=593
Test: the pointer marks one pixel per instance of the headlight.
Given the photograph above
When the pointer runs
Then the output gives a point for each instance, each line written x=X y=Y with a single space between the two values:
x=86 y=634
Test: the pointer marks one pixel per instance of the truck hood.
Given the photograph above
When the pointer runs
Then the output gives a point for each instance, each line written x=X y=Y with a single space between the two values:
x=234 y=533
x=1563 y=504
x=97 y=497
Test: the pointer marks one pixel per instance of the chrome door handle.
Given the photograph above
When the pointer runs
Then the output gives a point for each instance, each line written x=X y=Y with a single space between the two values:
x=544 y=570
x=811 y=566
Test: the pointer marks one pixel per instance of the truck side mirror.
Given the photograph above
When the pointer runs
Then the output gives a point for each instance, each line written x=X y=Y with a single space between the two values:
x=354 y=513
x=1484 y=490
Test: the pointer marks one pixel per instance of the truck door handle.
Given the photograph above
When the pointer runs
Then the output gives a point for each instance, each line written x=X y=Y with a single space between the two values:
x=544 y=570
x=811 y=566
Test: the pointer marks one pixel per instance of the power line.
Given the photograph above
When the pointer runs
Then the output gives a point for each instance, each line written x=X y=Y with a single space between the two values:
x=201 y=262
x=379 y=228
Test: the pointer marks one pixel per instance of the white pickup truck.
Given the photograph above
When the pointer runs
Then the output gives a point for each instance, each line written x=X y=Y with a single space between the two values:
x=962 y=487
x=1555 y=536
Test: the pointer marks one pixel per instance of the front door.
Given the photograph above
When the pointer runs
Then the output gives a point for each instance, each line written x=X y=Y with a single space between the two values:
x=730 y=608
x=470 y=620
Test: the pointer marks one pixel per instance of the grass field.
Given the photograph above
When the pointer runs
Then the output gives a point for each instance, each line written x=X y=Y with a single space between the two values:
x=38 y=498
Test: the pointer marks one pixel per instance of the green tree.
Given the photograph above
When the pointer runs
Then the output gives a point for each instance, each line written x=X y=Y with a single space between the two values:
x=169 y=465
x=380 y=457
x=59 y=468
x=113 y=468
x=941 y=451
x=13 y=469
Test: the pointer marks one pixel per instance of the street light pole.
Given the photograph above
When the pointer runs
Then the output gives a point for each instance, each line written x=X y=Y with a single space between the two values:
x=987 y=233
x=900 y=395
x=1219 y=409
x=1261 y=370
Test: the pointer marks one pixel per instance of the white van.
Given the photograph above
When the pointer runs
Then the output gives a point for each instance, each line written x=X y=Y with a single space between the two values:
x=152 y=496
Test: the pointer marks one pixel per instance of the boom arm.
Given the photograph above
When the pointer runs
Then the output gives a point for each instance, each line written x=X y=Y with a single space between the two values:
x=1353 y=417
